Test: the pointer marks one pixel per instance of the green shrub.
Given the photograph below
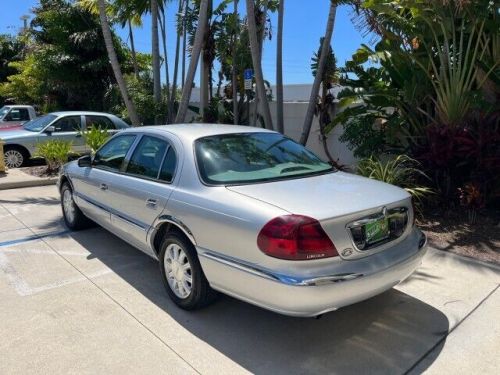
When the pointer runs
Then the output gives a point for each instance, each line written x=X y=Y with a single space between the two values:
x=95 y=137
x=55 y=153
x=401 y=171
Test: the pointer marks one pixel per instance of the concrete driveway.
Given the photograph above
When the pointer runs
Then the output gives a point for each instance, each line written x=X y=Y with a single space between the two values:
x=86 y=302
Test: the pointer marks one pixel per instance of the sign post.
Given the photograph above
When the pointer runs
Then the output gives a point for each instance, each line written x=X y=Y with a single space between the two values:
x=248 y=77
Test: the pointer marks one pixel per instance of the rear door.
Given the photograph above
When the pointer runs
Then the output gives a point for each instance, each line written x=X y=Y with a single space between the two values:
x=141 y=192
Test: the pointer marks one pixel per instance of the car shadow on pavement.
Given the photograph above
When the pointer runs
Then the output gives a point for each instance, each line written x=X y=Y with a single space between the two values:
x=386 y=334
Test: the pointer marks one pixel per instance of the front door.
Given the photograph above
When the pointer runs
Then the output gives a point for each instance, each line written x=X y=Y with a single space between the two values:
x=68 y=128
x=141 y=192
x=92 y=189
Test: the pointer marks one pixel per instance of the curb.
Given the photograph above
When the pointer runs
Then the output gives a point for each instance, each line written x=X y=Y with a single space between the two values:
x=28 y=183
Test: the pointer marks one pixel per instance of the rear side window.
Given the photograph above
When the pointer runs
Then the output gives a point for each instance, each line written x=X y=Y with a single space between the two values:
x=112 y=154
x=100 y=122
x=147 y=158
x=168 y=167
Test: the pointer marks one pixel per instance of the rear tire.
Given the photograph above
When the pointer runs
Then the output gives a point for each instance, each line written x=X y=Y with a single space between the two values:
x=182 y=275
x=73 y=216
x=15 y=157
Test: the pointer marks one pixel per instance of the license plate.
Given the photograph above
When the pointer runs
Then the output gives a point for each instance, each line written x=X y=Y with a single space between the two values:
x=377 y=231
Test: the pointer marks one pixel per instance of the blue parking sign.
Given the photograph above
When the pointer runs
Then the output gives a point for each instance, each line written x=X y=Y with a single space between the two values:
x=248 y=74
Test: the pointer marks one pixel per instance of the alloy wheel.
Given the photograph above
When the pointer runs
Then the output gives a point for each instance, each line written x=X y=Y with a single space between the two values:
x=178 y=271
x=13 y=158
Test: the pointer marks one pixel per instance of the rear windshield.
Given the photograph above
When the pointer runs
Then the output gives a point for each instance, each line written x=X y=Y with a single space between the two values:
x=243 y=158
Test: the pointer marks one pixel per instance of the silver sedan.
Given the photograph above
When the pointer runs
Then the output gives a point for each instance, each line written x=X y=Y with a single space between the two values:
x=21 y=141
x=246 y=212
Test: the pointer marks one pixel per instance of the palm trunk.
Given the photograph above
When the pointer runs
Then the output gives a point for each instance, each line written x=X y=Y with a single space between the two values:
x=205 y=67
x=163 y=26
x=306 y=128
x=234 y=76
x=108 y=41
x=176 y=68
x=186 y=4
x=256 y=60
x=279 y=69
x=195 y=56
x=132 y=49
x=156 y=56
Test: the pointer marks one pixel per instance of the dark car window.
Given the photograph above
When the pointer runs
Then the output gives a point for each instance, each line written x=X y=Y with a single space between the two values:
x=100 y=122
x=68 y=124
x=147 y=157
x=112 y=154
x=254 y=157
x=168 y=167
x=18 y=114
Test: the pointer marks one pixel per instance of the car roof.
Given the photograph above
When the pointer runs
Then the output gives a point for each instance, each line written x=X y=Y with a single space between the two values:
x=84 y=113
x=197 y=130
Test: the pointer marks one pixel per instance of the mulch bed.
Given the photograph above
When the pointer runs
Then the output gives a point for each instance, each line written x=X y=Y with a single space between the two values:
x=450 y=231
x=39 y=171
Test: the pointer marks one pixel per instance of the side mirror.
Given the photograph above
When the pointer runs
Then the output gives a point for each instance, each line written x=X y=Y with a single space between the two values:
x=50 y=129
x=85 y=161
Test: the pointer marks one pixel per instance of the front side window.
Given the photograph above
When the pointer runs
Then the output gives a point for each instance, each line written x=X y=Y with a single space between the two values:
x=112 y=154
x=101 y=122
x=254 y=157
x=14 y=115
x=68 y=124
x=147 y=158
x=38 y=124
x=24 y=114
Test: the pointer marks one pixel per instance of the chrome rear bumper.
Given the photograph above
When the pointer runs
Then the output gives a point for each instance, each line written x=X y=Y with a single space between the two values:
x=311 y=296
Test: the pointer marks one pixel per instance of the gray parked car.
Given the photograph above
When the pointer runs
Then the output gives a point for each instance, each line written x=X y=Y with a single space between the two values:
x=20 y=143
x=247 y=212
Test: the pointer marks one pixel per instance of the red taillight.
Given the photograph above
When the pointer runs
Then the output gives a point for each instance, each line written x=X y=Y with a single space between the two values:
x=295 y=237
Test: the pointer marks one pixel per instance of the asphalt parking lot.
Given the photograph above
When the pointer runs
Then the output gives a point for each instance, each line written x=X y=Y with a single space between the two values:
x=87 y=302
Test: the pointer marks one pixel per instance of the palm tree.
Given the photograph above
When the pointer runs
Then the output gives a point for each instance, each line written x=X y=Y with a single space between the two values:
x=176 y=61
x=234 y=77
x=256 y=60
x=195 y=56
x=279 y=69
x=306 y=128
x=108 y=40
x=155 y=54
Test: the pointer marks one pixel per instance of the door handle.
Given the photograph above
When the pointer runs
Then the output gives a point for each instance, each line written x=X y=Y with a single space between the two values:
x=104 y=187
x=151 y=202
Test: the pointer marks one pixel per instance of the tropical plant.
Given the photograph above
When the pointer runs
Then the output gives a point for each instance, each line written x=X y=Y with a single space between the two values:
x=402 y=171
x=95 y=137
x=106 y=31
x=256 y=52
x=193 y=63
x=306 y=128
x=55 y=153
x=279 y=69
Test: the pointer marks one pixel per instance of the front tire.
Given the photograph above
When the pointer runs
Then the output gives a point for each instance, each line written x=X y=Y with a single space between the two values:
x=15 y=157
x=73 y=216
x=182 y=275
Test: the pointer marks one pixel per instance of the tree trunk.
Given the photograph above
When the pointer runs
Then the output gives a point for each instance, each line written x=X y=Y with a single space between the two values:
x=163 y=26
x=234 y=76
x=176 y=68
x=156 y=56
x=205 y=67
x=108 y=40
x=256 y=60
x=186 y=4
x=279 y=69
x=195 y=56
x=132 y=49
x=306 y=128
